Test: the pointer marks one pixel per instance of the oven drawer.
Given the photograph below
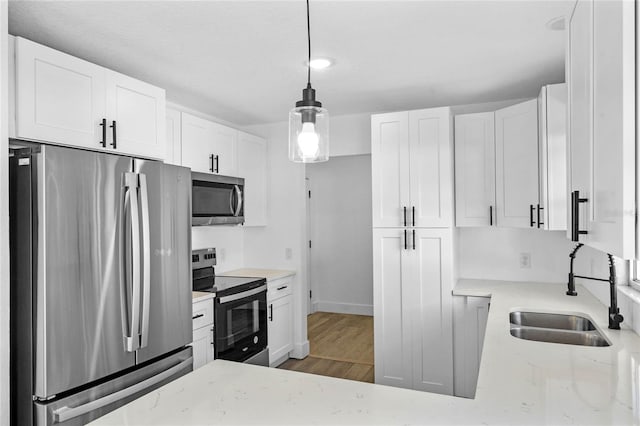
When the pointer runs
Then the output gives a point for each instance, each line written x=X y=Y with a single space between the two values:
x=279 y=288
x=202 y=313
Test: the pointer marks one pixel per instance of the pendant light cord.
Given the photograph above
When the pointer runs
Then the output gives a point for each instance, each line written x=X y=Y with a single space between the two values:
x=309 y=46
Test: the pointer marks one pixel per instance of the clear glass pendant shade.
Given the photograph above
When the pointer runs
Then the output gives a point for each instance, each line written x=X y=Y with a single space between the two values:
x=308 y=134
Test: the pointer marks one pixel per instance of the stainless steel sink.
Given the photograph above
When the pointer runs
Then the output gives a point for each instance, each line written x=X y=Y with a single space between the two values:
x=583 y=338
x=556 y=321
x=556 y=328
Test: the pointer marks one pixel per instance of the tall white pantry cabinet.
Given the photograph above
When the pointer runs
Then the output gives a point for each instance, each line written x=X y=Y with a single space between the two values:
x=412 y=184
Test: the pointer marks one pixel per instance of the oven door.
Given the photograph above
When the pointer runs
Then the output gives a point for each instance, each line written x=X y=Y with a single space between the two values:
x=241 y=324
x=216 y=199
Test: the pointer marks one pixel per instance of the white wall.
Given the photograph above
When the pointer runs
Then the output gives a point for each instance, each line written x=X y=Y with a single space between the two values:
x=266 y=247
x=4 y=219
x=341 y=263
x=350 y=135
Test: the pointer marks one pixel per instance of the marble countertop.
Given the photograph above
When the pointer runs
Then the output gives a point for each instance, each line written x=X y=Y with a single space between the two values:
x=520 y=382
x=198 y=296
x=269 y=274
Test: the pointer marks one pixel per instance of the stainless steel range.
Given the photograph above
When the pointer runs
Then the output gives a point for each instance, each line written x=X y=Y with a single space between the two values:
x=240 y=311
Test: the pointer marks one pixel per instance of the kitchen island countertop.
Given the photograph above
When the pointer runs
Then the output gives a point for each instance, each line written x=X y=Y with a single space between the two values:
x=520 y=382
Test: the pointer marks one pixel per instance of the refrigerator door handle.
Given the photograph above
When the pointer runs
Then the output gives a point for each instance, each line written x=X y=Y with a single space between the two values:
x=239 y=197
x=146 y=260
x=133 y=341
x=64 y=414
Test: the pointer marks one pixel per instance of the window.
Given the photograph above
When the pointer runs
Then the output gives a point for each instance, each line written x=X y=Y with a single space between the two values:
x=634 y=279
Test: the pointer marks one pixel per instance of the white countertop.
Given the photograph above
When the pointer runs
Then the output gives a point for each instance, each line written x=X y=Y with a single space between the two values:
x=269 y=274
x=198 y=296
x=521 y=382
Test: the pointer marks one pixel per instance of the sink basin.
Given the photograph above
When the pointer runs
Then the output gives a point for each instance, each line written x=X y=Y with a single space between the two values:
x=583 y=338
x=555 y=321
x=556 y=328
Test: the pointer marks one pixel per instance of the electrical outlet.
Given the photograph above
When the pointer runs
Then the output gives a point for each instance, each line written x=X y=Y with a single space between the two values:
x=525 y=260
x=288 y=253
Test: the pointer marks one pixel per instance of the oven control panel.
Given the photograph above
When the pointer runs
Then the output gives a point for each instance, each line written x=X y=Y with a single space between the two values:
x=203 y=258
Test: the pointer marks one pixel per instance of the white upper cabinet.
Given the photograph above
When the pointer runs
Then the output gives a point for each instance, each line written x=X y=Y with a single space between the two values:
x=173 y=150
x=412 y=168
x=59 y=98
x=552 y=130
x=390 y=165
x=602 y=148
x=517 y=165
x=136 y=114
x=430 y=167
x=65 y=100
x=252 y=166
x=208 y=147
x=475 y=175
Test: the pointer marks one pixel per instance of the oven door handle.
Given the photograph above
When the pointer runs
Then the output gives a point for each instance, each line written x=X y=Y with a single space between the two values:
x=232 y=297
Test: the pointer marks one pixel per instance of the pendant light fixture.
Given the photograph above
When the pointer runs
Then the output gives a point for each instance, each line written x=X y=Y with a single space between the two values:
x=308 y=122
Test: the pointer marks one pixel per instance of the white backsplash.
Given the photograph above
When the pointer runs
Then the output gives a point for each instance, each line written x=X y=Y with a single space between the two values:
x=228 y=241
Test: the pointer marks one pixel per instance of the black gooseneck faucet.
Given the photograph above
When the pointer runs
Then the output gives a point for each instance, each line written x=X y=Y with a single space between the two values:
x=615 y=318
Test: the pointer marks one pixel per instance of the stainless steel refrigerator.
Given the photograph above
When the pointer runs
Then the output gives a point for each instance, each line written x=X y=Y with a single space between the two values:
x=100 y=281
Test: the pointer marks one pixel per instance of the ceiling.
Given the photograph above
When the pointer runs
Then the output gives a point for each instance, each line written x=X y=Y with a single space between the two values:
x=243 y=61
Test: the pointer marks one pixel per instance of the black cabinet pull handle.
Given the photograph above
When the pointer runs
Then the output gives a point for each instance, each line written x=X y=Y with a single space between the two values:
x=211 y=163
x=404 y=215
x=539 y=208
x=531 y=223
x=103 y=142
x=217 y=158
x=405 y=239
x=413 y=215
x=198 y=316
x=113 y=126
x=282 y=288
x=271 y=312
x=414 y=239
x=490 y=215
x=575 y=215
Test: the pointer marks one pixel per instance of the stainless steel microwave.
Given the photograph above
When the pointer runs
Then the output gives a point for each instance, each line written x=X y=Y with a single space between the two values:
x=216 y=200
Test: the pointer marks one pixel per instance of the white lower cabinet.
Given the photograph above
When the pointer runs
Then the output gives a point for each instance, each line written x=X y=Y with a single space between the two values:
x=469 y=325
x=203 y=341
x=279 y=320
x=412 y=283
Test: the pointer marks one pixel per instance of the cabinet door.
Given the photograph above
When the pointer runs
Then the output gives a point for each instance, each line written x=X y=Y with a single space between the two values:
x=580 y=84
x=138 y=110
x=431 y=281
x=280 y=329
x=552 y=147
x=475 y=174
x=611 y=206
x=470 y=323
x=202 y=347
x=196 y=136
x=173 y=150
x=390 y=166
x=252 y=166
x=224 y=147
x=59 y=98
x=391 y=306
x=517 y=164
x=430 y=168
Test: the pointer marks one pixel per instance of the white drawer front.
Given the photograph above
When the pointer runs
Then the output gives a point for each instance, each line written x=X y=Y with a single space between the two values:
x=202 y=313
x=279 y=288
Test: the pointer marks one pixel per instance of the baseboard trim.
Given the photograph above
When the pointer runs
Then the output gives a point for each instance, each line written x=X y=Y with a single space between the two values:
x=300 y=350
x=343 y=308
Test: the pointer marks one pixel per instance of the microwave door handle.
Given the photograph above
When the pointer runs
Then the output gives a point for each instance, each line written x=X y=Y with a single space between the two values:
x=146 y=259
x=133 y=341
x=231 y=197
x=239 y=198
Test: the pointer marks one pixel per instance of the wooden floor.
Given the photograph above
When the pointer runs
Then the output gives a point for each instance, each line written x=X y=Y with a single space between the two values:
x=341 y=345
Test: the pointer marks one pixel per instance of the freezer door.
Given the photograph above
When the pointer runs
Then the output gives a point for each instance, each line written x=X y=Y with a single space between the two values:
x=166 y=322
x=78 y=260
